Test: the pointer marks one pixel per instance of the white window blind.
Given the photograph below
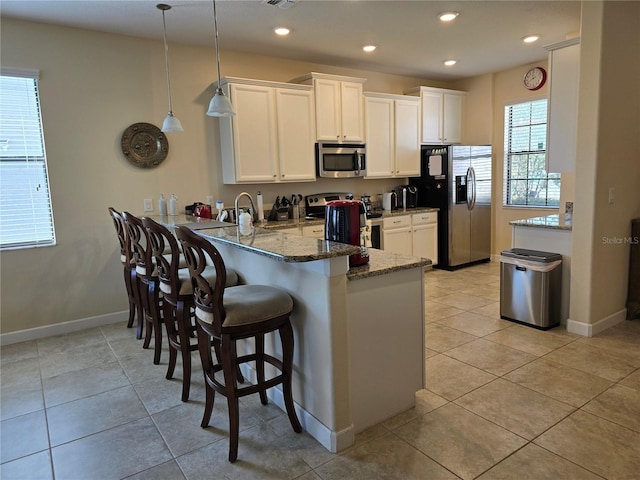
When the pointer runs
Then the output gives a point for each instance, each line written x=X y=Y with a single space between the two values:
x=26 y=216
x=527 y=183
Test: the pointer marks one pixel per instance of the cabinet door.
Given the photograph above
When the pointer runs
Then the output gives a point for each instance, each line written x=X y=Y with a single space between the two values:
x=407 y=138
x=397 y=240
x=452 y=118
x=379 y=137
x=296 y=137
x=431 y=117
x=425 y=242
x=352 y=112
x=254 y=134
x=327 y=93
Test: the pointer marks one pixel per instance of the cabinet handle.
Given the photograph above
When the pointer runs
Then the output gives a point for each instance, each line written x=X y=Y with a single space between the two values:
x=274 y=175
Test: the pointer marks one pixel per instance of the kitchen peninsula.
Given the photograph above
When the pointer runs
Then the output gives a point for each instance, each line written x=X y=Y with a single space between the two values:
x=359 y=332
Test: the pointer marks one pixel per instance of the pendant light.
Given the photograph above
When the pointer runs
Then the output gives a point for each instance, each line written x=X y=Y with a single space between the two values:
x=171 y=123
x=220 y=105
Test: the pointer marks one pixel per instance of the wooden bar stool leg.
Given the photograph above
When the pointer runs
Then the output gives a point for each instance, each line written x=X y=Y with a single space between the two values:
x=173 y=353
x=204 y=347
x=184 y=332
x=137 y=286
x=260 y=366
x=286 y=337
x=228 y=348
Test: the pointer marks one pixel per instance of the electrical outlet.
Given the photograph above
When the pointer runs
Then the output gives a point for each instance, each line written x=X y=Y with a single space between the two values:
x=612 y=192
x=148 y=205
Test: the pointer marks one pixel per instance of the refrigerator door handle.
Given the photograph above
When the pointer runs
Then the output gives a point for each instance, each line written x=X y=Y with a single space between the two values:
x=471 y=188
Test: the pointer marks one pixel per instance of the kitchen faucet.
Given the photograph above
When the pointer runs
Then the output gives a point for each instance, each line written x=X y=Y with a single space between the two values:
x=235 y=206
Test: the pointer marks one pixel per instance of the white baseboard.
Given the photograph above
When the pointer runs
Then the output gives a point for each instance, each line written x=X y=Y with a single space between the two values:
x=62 y=328
x=591 y=329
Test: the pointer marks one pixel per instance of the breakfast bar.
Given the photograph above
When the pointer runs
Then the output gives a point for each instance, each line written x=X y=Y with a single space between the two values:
x=359 y=332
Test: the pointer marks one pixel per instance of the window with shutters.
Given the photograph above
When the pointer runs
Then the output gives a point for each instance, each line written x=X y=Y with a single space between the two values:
x=527 y=183
x=26 y=217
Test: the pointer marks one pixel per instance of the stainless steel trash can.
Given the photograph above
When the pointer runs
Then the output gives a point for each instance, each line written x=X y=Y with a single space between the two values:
x=530 y=287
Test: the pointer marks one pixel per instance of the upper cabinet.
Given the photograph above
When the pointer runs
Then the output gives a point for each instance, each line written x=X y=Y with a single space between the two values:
x=442 y=112
x=339 y=107
x=564 y=72
x=392 y=135
x=271 y=137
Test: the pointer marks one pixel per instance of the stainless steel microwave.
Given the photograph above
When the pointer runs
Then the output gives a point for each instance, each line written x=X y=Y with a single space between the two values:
x=339 y=160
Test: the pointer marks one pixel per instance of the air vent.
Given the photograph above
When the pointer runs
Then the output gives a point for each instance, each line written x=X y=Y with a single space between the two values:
x=280 y=3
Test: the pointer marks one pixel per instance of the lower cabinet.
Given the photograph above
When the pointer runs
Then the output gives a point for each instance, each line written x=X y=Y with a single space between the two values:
x=396 y=235
x=414 y=235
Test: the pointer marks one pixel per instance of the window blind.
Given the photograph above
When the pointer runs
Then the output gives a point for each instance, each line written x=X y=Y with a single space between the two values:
x=26 y=216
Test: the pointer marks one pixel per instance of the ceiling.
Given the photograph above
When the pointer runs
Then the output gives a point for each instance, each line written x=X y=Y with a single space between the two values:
x=486 y=36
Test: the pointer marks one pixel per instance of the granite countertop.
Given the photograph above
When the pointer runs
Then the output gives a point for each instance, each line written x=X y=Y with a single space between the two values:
x=381 y=263
x=555 y=221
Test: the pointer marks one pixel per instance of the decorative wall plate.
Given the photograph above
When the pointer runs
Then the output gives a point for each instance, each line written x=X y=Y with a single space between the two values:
x=144 y=145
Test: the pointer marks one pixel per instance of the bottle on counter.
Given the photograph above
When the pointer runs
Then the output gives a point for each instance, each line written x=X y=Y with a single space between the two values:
x=173 y=207
x=260 y=202
x=245 y=223
x=162 y=205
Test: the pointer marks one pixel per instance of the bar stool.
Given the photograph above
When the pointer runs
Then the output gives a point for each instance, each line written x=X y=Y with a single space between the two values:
x=130 y=281
x=147 y=281
x=177 y=291
x=225 y=315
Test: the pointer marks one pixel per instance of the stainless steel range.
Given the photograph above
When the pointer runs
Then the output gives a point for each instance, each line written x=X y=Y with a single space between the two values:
x=315 y=204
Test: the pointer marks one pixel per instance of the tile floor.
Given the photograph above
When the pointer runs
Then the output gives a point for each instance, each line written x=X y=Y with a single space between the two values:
x=503 y=401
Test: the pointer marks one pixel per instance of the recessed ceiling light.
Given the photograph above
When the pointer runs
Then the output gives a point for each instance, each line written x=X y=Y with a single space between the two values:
x=449 y=63
x=531 y=38
x=448 y=16
x=369 y=48
x=282 y=31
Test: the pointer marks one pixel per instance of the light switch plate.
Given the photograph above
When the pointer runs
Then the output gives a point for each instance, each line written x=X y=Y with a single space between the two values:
x=148 y=205
x=612 y=193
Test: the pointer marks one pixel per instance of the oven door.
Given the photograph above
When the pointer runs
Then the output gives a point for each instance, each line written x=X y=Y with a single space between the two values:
x=341 y=161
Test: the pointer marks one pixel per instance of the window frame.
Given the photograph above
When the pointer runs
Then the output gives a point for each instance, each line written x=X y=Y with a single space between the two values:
x=26 y=211
x=532 y=157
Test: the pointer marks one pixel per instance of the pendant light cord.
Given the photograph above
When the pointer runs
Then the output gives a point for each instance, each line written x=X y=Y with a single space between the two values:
x=166 y=60
x=215 y=26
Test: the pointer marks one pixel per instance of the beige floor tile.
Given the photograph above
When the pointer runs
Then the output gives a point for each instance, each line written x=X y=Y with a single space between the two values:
x=76 y=358
x=441 y=338
x=618 y=404
x=596 y=444
x=491 y=357
x=534 y=463
x=596 y=361
x=459 y=440
x=492 y=310
x=430 y=353
x=563 y=383
x=483 y=290
x=515 y=408
x=632 y=380
x=451 y=379
x=385 y=457
x=427 y=401
x=24 y=372
x=18 y=352
x=433 y=292
x=70 y=341
x=470 y=322
x=435 y=311
x=530 y=340
x=21 y=399
x=451 y=284
x=463 y=301
x=165 y=471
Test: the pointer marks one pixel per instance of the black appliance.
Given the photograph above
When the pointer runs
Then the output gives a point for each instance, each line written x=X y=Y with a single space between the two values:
x=408 y=192
x=315 y=205
x=457 y=180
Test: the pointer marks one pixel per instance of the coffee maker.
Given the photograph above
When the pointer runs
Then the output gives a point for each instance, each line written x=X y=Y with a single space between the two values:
x=345 y=222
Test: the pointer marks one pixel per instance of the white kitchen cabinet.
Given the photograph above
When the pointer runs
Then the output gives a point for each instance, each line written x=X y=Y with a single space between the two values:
x=397 y=235
x=392 y=135
x=442 y=112
x=339 y=107
x=425 y=236
x=564 y=72
x=270 y=139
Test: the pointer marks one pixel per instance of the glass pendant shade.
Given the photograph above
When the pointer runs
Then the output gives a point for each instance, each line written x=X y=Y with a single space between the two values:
x=220 y=105
x=171 y=124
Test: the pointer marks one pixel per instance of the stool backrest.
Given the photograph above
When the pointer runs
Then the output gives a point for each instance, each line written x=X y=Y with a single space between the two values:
x=123 y=236
x=162 y=241
x=139 y=243
x=207 y=297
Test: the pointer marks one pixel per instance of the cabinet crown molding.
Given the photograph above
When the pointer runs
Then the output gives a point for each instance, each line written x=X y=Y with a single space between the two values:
x=263 y=83
x=418 y=90
x=327 y=76
x=391 y=96
x=562 y=44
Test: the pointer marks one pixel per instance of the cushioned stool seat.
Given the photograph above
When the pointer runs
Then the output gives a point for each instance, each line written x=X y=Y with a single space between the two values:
x=225 y=315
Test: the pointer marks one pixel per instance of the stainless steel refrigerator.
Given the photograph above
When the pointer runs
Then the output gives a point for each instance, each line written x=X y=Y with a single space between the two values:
x=457 y=180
